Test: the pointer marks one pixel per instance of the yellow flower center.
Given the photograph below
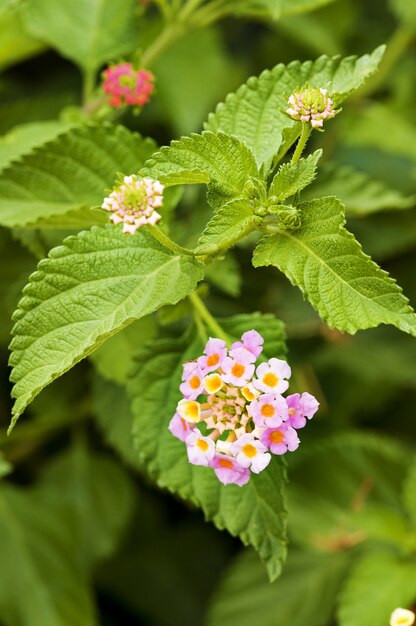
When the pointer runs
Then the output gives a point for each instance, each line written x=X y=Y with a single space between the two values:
x=213 y=360
x=237 y=370
x=267 y=410
x=249 y=450
x=195 y=382
x=270 y=379
x=202 y=445
x=276 y=436
x=225 y=463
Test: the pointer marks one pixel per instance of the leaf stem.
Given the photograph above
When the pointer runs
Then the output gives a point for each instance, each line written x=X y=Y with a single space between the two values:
x=304 y=136
x=206 y=317
x=167 y=241
x=168 y=36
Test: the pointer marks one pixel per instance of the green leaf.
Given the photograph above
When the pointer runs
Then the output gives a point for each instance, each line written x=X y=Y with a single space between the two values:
x=349 y=291
x=294 y=7
x=5 y=467
x=233 y=221
x=361 y=194
x=114 y=418
x=23 y=138
x=271 y=9
x=409 y=492
x=378 y=584
x=225 y=274
x=94 y=285
x=56 y=185
x=42 y=565
x=210 y=65
x=323 y=508
x=293 y=177
x=15 y=44
x=405 y=11
x=255 y=512
x=255 y=113
x=98 y=498
x=245 y=596
x=217 y=159
x=114 y=358
x=89 y=33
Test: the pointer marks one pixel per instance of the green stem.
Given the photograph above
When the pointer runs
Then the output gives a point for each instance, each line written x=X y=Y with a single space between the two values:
x=209 y=13
x=396 y=47
x=171 y=33
x=206 y=316
x=200 y=327
x=167 y=241
x=304 y=136
x=88 y=84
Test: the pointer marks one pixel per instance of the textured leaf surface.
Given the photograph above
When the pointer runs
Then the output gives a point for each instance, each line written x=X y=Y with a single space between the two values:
x=349 y=291
x=231 y=222
x=255 y=113
x=215 y=158
x=245 y=596
x=58 y=183
x=377 y=585
x=361 y=194
x=87 y=32
x=293 y=177
x=39 y=564
x=256 y=512
x=95 y=284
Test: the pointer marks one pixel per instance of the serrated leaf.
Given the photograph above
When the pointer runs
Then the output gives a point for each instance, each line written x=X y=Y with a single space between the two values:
x=255 y=113
x=256 y=512
x=293 y=177
x=89 y=33
x=89 y=288
x=245 y=596
x=217 y=159
x=349 y=291
x=361 y=194
x=56 y=185
x=230 y=223
x=378 y=584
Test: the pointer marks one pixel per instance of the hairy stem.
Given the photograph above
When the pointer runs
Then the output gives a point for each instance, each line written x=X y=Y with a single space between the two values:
x=304 y=136
x=167 y=241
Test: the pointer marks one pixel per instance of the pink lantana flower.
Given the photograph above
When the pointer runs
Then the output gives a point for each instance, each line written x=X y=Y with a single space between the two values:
x=280 y=440
x=229 y=471
x=301 y=407
x=271 y=376
x=127 y=86
x=201 y=450
x=269 y=410
x=231 y=416
x=252 y=341
x=193 y=384
x=250 y=452
x=179 y=427
x=311 y=104
x=214 y=353
x=238 y=368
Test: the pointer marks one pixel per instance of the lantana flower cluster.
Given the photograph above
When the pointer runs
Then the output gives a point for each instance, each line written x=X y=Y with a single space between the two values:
x=127 y=86
x=134 y=202
x=311 y=104
x=233 y=416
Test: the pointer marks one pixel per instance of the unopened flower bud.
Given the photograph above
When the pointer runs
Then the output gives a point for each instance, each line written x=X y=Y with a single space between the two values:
x=127 y=86
x=311 y=104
